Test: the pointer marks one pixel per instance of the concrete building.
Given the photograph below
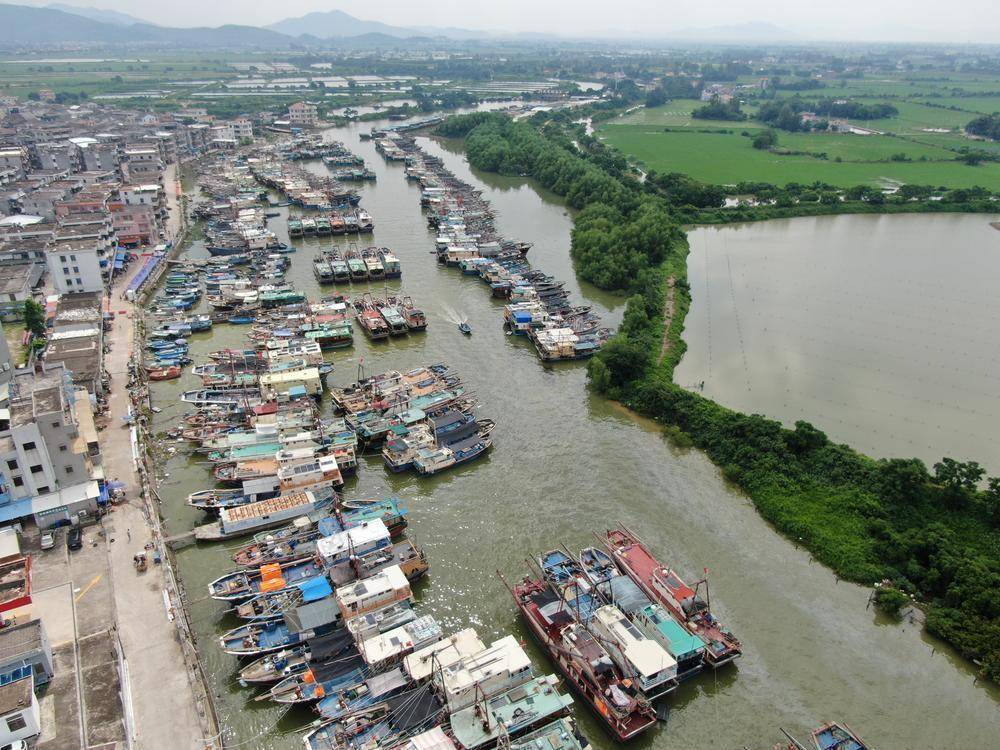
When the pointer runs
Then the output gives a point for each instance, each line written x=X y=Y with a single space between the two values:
x=241 y=128
x=43 y=202
x=13 y=164
x=142 y=164
x=76 y=267
x=16 y=283
x=20 y=718
x=25 y=649
x=59 y=156
x=95 y=156
x=303 y=115
x=42 y=451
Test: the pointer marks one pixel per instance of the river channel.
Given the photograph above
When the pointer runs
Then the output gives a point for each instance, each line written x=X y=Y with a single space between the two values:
x=566 y=463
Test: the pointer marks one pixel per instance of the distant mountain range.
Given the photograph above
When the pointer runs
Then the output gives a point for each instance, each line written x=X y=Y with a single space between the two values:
x=62 y=23
x=24 y=25
x=99 y=14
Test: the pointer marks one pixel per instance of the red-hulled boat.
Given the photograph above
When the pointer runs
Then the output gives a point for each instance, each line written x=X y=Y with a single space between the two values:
x=582 y=660
x=663 y=585
x=164 y=373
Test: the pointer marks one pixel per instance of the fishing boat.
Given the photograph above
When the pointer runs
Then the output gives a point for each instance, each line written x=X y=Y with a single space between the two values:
x=323 y=271
x=513 y=712
x=414 y=317
x=228 y=396
x=341 y=270
x=465 y=328
x=265 y=514
x=276 y=666
x=394 y=319
x=246 y=582
x=380 y=726
x=281 y=542
x=432 y=461
x=373 y=263
x=582 y=659
x=357 y=267
x=260 y=637
x=400 y=450
x=651 y=667
x=837 y=736
x=373 y=324
x=390 y=263
x=163 y=373
x=663 y=585
x=365 y=221
x=272 y=604
x=597 y=565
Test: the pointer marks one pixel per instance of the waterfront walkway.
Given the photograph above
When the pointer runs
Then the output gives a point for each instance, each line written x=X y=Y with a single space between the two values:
x=167 y=704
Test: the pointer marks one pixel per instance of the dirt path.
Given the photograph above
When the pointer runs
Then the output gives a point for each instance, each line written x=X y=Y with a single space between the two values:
x=668 y=317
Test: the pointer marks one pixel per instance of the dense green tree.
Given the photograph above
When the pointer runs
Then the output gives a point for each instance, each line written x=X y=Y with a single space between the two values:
x=717 y=109
x=34 y=317
x=765 y=139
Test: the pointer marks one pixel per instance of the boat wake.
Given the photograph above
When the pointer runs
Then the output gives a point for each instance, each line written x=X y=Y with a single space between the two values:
x=453 y=316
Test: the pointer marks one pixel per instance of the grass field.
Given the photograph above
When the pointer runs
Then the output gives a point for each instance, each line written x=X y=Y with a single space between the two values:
x=726 y=159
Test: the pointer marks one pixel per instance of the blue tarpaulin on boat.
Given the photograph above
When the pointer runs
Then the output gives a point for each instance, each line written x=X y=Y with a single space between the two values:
x=314 y=589
x=329 y=526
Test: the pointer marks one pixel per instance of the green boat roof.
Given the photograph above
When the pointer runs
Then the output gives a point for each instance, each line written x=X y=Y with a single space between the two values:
x=559 y=735
x=523 y=706
x=250 y=451
x=682 y=643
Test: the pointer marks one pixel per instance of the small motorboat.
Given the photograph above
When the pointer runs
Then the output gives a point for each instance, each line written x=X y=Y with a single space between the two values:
x=465 y=328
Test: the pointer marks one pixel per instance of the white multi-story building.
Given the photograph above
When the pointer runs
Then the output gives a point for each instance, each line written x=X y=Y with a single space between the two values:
x=76 y=267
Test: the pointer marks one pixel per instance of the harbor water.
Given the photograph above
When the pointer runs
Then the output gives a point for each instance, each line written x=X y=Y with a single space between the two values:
x=566 y=463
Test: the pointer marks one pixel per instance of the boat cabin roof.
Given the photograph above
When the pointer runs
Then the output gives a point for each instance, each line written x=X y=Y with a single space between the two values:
x=422 y=663
x=362 y=537
x=645 y=654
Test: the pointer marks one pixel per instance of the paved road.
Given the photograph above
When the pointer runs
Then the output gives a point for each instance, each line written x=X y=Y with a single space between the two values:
x=165 y=705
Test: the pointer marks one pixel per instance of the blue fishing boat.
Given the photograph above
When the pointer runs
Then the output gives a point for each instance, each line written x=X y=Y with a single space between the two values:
x=836 y=736
x=260 y=637
x=465 y=328
x=360 y=695
x=244 y=583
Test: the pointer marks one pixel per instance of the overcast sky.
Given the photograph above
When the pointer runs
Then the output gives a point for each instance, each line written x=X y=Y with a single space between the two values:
x=866 y=20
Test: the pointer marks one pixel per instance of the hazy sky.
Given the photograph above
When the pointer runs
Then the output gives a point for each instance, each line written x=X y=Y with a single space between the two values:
x=923 y=20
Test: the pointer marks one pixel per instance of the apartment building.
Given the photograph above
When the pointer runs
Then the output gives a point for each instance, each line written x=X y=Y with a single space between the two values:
x=76 y=266
x=303 y=115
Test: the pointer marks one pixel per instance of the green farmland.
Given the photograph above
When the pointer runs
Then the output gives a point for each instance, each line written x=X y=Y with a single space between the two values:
x=724 y=158
x=669 y=139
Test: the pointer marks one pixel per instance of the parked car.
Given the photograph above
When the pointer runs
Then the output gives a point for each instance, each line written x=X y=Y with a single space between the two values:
x=15 y=745
x=74 y=539
x=48 y=542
